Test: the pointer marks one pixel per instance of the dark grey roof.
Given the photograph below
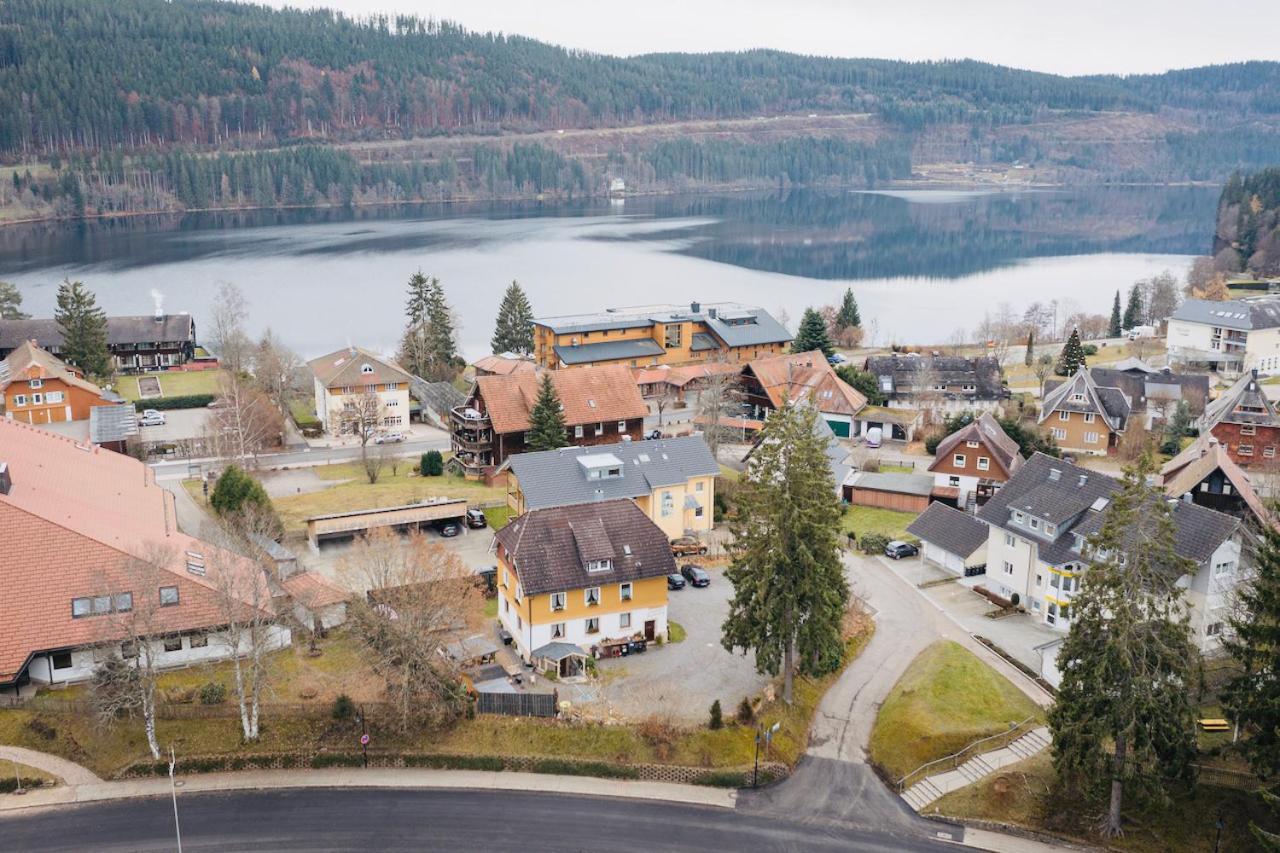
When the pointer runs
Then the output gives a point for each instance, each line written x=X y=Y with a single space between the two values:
x=544 y=550
x=120 y=330
x=112 y=423
x=950 y=529
x=702 y=342
x=1198 y=530
x=559 y=478
x=747 y=328
x=557 y=651
x=953 y=371
x=906 y=484
x=987 y=431
x=609 y=351
x=1241 y=314
x=1110 y=403
x=732 y=323
x=1243 y=403
x=1138 y=385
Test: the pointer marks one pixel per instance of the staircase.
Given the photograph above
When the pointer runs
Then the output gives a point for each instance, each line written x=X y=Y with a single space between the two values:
x=969 y=766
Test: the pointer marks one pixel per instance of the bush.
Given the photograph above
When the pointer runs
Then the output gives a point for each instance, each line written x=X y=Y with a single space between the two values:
x=717 y=719
x=343 y=707
x=431 y=464
x=724 y=779
x=8 y=784
x=561 y=767
x=236 y=492
x=873 y=543
x=745 y=712
x=456 y=762
x=183 y=401
x=336 y=759
x=1090 y=349
x=213 y=693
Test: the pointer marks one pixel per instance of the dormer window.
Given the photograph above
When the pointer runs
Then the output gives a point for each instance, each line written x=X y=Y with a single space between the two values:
x=366 y=368
x=1019 y=516
x=599 y=565
x=1077 y=398
x=1035 y=523
x=36 y=383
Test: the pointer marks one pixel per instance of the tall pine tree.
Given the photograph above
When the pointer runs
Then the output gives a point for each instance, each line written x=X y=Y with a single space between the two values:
x=84 y=329
x=1115 y=329
x=812 y=334
x=11 y=300
x=547 y=430
x=514 y=330
x=414 y=355
x=1133 y=311
x=1123 y=721
x=1030 y=356
x=1071 y=359
x=848 y=314
x=789 y=590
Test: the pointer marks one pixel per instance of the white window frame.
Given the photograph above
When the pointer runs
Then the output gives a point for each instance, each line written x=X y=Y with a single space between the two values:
x=37 y=399
x=1008 y=567
x=624 y=619
x=1090 y=417
x=984 y=463
x=19 y=400
x=600 y=429
x=1059 y=434
x=959 y=460
x=1010 y=540
x=1092 y=438
x=557 y=630
x=591 y=596
x=587 y=625
x=35 y=383
x=578 y=432
x=558 y=601
x=1064 y=416
x=625 y=591
x=622 y=427
x=54 y=397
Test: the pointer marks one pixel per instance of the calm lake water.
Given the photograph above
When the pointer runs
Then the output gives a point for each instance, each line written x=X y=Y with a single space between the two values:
x=923 y=264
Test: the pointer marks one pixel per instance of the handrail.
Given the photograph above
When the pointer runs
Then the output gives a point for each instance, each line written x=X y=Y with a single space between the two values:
x=953 y=758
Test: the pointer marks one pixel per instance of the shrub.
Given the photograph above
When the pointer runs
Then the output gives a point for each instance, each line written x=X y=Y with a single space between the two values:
x=236 y=491
x=561 y=767
x=745 y=712
x=1090 y=349
x=41 y=728
x=724 y=779
x=8 y=784
x=343 y=707
x=431 y=464
x=456 y=762
x=183 y=401
x=336 y=759
x=717 y=720
x=213 y=693
x=873 y=543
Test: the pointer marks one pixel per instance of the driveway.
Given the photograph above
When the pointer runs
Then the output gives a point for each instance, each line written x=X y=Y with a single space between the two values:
x=678 y=681
x=471 y=545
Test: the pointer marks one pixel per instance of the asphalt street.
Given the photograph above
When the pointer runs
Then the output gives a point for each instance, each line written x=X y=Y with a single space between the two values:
x=394 y=820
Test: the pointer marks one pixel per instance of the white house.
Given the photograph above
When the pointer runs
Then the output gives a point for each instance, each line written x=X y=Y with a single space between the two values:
x=1230 y=336
x=345 y=377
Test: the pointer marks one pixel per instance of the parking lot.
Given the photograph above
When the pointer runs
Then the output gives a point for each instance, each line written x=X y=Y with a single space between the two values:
x=473 y=546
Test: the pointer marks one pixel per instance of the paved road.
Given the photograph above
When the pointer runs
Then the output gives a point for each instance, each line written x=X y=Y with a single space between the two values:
x=309 y=456
x=392 y=820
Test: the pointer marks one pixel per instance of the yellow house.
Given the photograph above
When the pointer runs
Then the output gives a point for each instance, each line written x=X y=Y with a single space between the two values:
x=576 y=580
x=672 y=480
x=647 y=336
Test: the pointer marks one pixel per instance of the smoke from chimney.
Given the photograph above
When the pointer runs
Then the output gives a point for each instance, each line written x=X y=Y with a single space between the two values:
x=158 y=298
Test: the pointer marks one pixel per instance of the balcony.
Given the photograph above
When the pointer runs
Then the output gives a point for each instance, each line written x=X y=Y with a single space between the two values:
x=469 y=419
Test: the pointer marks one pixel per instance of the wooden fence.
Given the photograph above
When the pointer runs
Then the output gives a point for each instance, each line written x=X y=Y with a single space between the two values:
x=508 y=704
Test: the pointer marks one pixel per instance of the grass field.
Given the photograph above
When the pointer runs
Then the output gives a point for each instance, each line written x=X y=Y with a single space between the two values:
x=173 y=383
x=945 y=700
x=871 y=519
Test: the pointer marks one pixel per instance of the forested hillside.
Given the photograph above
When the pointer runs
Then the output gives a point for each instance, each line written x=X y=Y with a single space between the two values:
x=1248 y=233
x=111 y=106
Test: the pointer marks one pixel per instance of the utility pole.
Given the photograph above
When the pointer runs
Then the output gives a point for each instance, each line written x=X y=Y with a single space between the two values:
x=173 y=790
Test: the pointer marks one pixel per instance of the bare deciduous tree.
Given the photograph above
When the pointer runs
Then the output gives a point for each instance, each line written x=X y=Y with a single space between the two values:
x=1042 y=368
x=422 y=597
x=362 y=417
x=244 y=421
x=275 y=368
x=226 y=328
x=718 y=398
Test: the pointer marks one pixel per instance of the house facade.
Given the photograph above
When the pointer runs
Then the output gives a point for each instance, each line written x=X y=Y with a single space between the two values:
x=89 y=517
x=1231 y=337
x=346 y=379
x=1039 y=524
x=601 y=405
x=768 y=383
x=951 y=539
x=976 y=460
x=136 y=343
x=39 y=389
x=1244 y=422
x=942 y=384
x=582 y=575
x=647 y=336
x=672 y=480
x=1205 y=474
x=1085 y=417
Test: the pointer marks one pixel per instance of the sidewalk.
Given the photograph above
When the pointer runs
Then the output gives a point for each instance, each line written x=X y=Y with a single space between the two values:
x=373 y=778
x=68 y=772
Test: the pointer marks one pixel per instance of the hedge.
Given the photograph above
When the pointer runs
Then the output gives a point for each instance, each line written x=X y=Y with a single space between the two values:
x=8 y=784
x=560 y=767
x=182 y=401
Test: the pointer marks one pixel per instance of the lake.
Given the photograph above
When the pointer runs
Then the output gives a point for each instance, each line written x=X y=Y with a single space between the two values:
x=923 y=264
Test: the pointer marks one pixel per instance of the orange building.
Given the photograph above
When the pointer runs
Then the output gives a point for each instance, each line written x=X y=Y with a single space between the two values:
x=40 y=389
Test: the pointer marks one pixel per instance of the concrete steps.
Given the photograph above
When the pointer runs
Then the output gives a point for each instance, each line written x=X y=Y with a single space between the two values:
x=930 y=788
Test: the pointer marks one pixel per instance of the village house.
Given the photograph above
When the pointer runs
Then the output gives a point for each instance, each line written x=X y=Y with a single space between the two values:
x=574 y=580
x=1229 y=337
x=667 y=389
x=1084 y=417
x=940 y=384
x=503 y=365
x=648 y=336
x=1204 y=474
x=84 y=517
x=601 y=405
x=136 y=343
x=1152 y=394
x=1244 y=422
x=1040 y=521
x=37 y=388
x=768 y=383
x=672 y=480
x=349 y=380
x=952 y=540
x=890 y=490
x=975 y=461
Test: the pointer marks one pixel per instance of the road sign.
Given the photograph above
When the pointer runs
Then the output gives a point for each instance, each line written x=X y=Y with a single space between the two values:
x=364 y=740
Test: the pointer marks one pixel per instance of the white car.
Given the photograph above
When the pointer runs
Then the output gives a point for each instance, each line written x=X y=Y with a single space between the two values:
x=389 y=438
x=151 y=417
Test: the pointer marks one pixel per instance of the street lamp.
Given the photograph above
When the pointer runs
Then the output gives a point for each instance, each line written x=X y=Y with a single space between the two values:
x=173 y=790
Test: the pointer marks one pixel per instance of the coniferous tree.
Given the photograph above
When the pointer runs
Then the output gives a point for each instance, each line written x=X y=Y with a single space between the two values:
x=84 y=329
x=547 y=429
x=1072 y=358
x=1253 y=639
x=812 y=334
x=789 y=590
x=1133 y=311
x=1116 y=328
x=1123 y=720
x=848 y=315
x=442 y=345
x=11 y=300
x=514 y=331
x=1030 y=357
x=413 y=347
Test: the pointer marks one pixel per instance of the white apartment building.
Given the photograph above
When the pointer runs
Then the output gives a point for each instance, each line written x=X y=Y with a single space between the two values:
x=343 y=378
x=1230 y=337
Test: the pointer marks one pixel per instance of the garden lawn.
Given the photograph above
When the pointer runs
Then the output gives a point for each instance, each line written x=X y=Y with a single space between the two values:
x=945 y=700
x=173 y=383
x=889 y=523
x=404 y=486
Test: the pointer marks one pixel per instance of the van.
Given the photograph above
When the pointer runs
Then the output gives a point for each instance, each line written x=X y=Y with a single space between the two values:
x=874 y=436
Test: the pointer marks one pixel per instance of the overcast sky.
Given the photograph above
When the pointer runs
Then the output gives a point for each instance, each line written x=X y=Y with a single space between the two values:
x=1071 y=37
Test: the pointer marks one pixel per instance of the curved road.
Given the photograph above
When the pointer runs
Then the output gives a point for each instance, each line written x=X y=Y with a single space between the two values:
x=394 y=820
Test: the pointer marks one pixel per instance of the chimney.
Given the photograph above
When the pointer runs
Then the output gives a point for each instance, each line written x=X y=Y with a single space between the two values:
x=6 y=481
x=1084 y=478
x=695 y=307
x=1054 y=474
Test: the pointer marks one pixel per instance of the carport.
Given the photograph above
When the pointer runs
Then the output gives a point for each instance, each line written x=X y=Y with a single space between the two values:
x=565 y=659
x=953 y=540
x=342 y=525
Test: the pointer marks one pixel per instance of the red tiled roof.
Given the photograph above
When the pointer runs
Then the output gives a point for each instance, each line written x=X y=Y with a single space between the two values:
x=588 y=394
x=498 y=365
x=345 y=368
x=683 y=375
x=806 y=375
x=74 y=519
x=314 y=591
x=28 y=361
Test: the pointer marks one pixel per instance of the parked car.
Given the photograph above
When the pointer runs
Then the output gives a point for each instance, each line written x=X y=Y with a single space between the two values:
x=686 y=545
x=696 y=575
x=835 y=359
x=505 y=636
x=389 y=438
x=448 y=528
x=675 y=581
x=897 y=549
x=653 y=433
x=475 y=518
x=150 y=417
x=874 y=436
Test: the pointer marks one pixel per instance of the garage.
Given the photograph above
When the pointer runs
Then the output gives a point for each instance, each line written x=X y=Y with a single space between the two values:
x=901 y=492
x=842 y=427
x=952 y=540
